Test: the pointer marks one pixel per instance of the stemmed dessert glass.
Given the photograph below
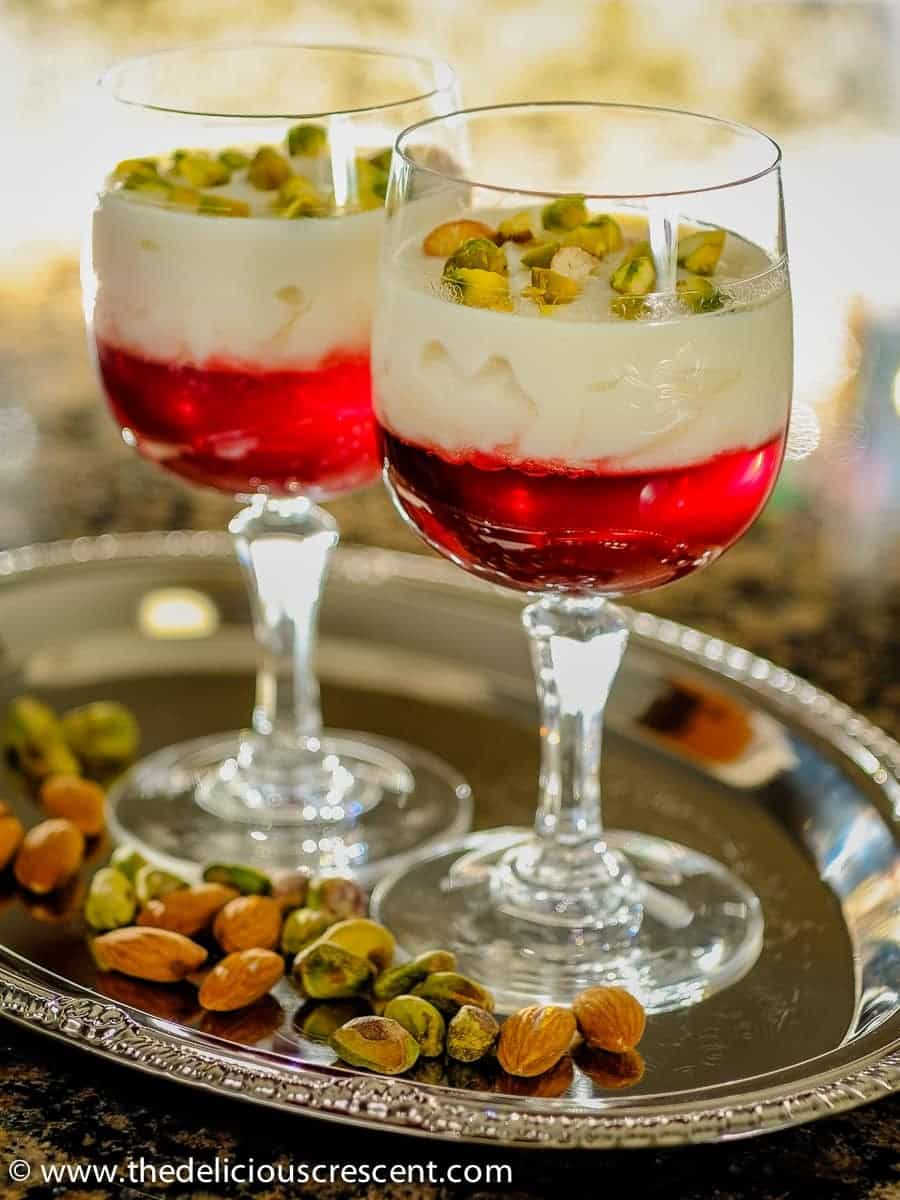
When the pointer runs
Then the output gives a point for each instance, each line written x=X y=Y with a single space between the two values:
x=229 y=287
x=582 y=374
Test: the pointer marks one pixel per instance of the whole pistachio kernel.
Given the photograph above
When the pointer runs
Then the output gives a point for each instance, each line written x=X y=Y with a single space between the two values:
x=268 y=169
x=448 y=991
x=565 y=213
x=377 y=1044
x=327 y=971
x=471 y=1033
x=610 y=227
x=111 y=901
x=478 y=254
x=422 y=1020
x=201 y=171
x=699 y=294
x=248 y=880
x=307 y=141
x=700 y=252
x=234 y=159
x=103 y=734
x=148 y=184
x=404 y=977
x=152 y=883
x=478 y=289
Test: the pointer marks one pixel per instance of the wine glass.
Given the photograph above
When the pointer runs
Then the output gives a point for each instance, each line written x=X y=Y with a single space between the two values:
x=229 y=287
x=582 y=374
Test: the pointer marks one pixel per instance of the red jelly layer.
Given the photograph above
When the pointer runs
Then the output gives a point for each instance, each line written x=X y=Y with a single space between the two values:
x=242 y=429
x=555 y=529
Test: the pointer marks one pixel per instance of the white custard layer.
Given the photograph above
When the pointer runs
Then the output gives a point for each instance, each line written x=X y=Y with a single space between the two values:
x=627 y=395
x=188 y=288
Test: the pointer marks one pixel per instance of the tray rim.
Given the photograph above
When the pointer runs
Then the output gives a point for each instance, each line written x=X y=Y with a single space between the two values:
x=32 y=996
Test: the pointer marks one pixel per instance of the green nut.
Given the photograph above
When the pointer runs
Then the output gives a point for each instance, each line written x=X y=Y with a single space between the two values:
x=598 y=237
x=699 y=294
x=235 y=160
x=110 y=900
x=700 y=252
x=403 y=978
x=222 y=206
x=299 y=197
x=302 y=927
x=148 y=167
x=307 y=141
x=128 y=860
x=421 y=1019
x=247 y=880
x=150 y=883
x=104 y=735
x=371 y=184
x=516 y=228
x=611 y=229
x=377 y=1044
x=478 y=254
x=540 y=255
x=329 y=972
x=364 y=938
x=448 y=991
x=629 y=308
x=636 y=273
x=471 y=1033
x=200 y=170
x=565 y=213
x=268 y=169
x=478 y=289
x=319 y=1021
x=151 y=184
x=34 y=742
x=339 y=896
x=550 y=288
x=382 y=160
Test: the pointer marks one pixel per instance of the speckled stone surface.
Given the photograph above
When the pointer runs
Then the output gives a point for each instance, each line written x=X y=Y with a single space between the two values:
x=786 y=592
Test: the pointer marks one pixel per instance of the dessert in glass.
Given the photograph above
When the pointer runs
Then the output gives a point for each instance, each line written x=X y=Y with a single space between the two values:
x=229 y=287
x=582 y=366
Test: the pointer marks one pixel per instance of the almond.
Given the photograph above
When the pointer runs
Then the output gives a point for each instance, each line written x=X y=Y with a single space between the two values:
x=78 y=800
x=248 y=922
x=534 y=1039
x=158 y=955
x=12 y=831
x=241 y=979
x=49 y=856
x=609 y=1018
x=188 y=910
x=446 y=239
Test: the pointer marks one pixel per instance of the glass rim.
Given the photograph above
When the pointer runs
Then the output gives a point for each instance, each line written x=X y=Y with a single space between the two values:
x=612 y=105
x=444 y=75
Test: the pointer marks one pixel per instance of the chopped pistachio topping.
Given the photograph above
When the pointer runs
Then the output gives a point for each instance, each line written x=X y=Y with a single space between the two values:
x=223 y=206
x=540 y=255
x=307 y=141
x=574 y=263
x=549 y=288
x=611 y=229
x=700 y=252
x=299 y=197
x=699 y=294
x=630 y=308
x=480 y=254
x=382 y=160
x=371 y=183
x=565 y=213
x=200 y=170
x=235 y=160
x=478 y=288
x=146 y=167
x=516 y=228
x=268 y=169
x=598 y=237
x=139 y=182
x=636 y=273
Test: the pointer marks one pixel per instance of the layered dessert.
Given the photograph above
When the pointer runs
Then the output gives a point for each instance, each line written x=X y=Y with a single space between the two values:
x=557 y=415
x=232 y=312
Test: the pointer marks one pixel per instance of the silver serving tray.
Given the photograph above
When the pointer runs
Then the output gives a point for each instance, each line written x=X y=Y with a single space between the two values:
x=806 y=811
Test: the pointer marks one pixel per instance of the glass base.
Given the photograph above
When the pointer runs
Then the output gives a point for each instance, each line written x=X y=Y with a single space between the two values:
x=679 y=926
x=189 y=804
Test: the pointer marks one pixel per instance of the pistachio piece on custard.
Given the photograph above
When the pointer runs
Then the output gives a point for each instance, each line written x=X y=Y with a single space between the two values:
x=478 y=254
x=699 y=294
x=549 y=288
x=478 y=289
x=306 y=141
x=371 y=184
x=540 y=255
x=234 y=159
x=516 y=228
x=222 y=206
x=636 y=273
x=566 y=212
x=299 y=197
x=422 y=1020
x=201 y=171
x=147 y=167
x=700 y=252
x=268 y=169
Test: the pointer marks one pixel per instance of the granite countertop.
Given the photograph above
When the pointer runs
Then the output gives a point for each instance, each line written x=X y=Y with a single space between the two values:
x=784 y=592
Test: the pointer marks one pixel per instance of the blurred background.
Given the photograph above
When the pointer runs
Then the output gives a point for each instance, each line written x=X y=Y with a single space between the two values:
x=823 y=76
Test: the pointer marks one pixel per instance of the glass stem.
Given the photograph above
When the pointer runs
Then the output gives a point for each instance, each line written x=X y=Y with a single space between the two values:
x=576 y=646
x=284 y=547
